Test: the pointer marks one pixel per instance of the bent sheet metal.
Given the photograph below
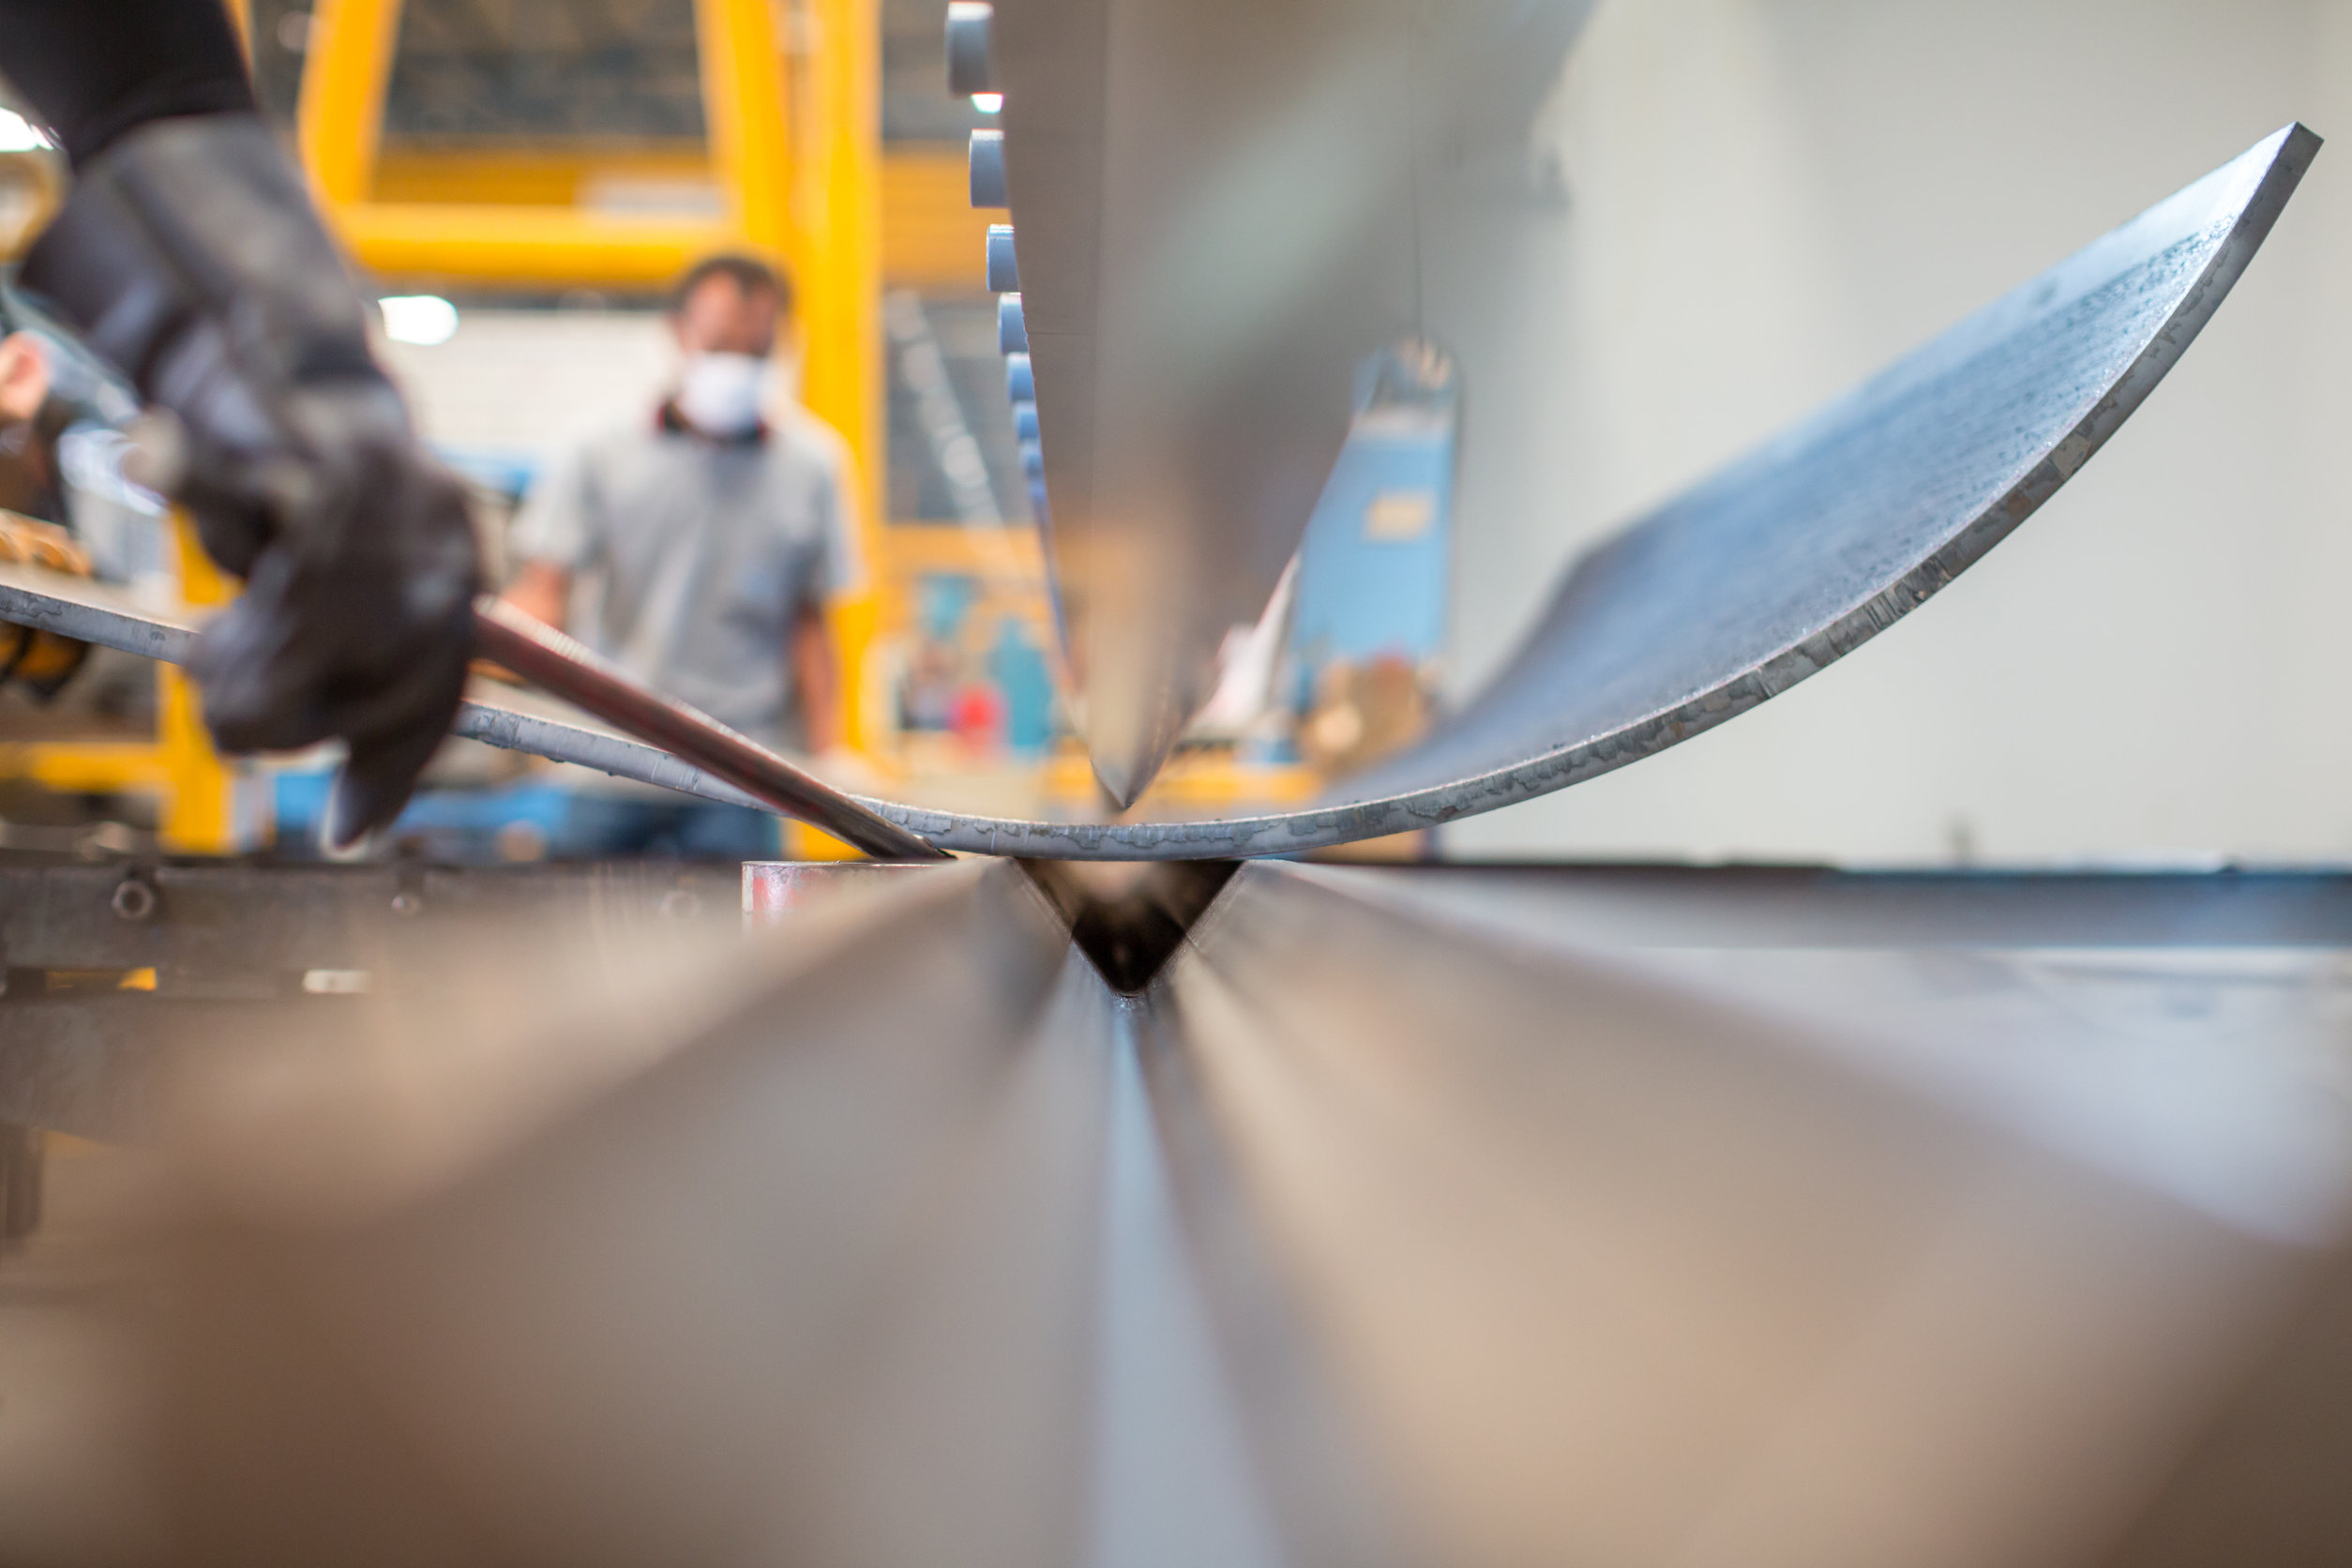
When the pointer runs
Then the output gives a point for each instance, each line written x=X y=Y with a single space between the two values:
x=1777 y=567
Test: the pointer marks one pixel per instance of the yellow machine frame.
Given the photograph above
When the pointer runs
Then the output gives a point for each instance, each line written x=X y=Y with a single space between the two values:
x=796 y=151
x=206 y=804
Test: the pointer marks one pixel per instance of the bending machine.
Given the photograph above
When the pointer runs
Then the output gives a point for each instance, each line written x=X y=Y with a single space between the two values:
x=1121 y=1194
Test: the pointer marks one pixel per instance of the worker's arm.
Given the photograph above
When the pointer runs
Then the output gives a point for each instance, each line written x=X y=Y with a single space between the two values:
x=837 y=573
x=24 y=379
x=815 y=679
x=541 y=590
x=189 y=255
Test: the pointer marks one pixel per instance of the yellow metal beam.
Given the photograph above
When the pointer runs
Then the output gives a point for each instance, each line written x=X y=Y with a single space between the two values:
x=837 y=214
x=1205 y=778
x=196 y=788
x=339 y=120
x=85 y=767
x=951 y=547
x=931 y=236
x=524 y=245
x=505 y=173
x=744 y=105
x=199 y=797
x=200 y=815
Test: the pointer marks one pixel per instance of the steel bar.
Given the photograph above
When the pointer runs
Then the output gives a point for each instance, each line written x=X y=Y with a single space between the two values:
x=564 y=667
x=212 y=918
x=1816 y=907
x=106 y=615
x=727 y=767
x=205 y=920
x=220 y=937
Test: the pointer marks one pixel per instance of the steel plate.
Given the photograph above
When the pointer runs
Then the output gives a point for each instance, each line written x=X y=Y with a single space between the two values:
x=1779 y=565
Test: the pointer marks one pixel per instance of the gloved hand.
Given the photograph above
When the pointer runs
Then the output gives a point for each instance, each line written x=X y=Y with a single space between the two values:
x=189 y=254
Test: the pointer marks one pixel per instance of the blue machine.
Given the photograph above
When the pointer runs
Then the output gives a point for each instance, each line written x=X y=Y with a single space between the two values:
x=1375 y=568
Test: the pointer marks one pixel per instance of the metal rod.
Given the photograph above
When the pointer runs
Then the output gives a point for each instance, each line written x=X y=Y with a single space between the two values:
x=561 y=666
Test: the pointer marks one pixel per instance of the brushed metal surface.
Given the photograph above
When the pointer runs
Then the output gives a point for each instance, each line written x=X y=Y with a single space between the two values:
x=1361 y=1237
x=1219 y=217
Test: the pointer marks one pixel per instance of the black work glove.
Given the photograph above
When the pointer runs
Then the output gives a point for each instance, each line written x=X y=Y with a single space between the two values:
x=189 y=254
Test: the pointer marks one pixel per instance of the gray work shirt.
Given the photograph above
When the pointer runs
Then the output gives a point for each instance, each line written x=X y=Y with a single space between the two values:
x=692 y=557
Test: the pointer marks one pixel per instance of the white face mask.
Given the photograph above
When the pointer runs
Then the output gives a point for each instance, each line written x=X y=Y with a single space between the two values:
x=722 y=394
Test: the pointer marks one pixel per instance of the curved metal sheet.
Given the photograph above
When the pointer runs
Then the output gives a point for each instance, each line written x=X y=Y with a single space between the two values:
x=1794 y=556
x=1784 y=563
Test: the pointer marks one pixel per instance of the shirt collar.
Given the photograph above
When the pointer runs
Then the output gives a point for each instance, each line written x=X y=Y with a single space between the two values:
x=669 y=421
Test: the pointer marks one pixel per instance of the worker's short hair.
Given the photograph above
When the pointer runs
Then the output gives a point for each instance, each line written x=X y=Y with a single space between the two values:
x=746 y=272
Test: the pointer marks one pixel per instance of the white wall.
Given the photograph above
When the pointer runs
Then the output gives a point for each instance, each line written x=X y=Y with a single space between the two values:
x=533 y=383
x=1770 y=198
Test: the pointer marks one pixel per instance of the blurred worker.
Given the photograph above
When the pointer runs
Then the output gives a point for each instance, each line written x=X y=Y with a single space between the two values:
x=711 y=538
x=189 y=256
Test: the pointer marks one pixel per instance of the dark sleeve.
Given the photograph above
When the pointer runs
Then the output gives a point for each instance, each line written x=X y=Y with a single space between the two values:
x=93 y=69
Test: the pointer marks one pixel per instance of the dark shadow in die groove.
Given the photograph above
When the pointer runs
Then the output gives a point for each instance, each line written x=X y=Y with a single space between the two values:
x=1129 y=916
